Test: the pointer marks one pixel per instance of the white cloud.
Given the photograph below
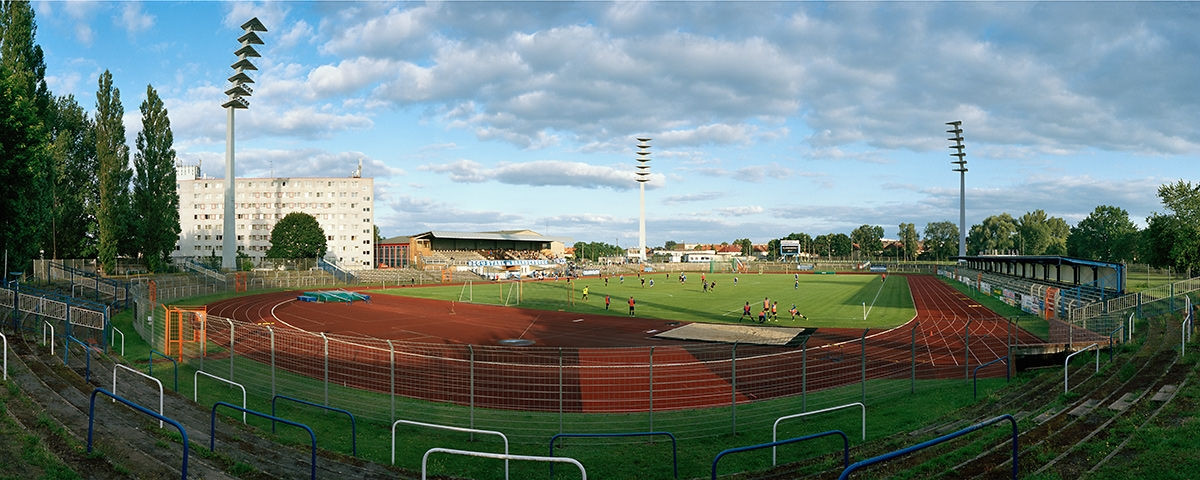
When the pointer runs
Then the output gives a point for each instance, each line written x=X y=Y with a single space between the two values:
x=543 y=173
x=692 y=197
x=300 y=32
x=133 y=20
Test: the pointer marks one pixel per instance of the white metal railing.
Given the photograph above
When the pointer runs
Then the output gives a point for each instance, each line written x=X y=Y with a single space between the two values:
x=451 y=428
x=5 y=355
x=44 y=325
x=1068 y=361
x=160 y=387
x=196 y=389
x=775 y=428
x=113 y=339
x=501 y=456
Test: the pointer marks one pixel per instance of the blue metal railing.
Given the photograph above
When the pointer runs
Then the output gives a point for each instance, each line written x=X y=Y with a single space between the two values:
x=67 y=339
x=58 y=297
x=975 y=374
x=674 y=443
x=92 y=417
x=950 y=436
x=212 y=432
x=353 y=423
x=154 y=352
x=115 y=284
x=845 y=447
x=1110 y=341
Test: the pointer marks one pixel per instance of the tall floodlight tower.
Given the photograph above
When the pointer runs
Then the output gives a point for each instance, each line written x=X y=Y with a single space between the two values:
x=961 y=168
x=237 y=99
x=643 y=176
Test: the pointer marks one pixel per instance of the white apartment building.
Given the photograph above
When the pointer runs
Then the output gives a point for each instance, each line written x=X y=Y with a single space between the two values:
x=343 y=206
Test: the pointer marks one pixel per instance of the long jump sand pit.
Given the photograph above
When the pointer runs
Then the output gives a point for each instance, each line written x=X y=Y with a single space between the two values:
x=749 y=334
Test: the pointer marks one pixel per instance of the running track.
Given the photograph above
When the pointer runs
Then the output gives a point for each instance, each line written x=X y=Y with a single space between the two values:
x=605 y=359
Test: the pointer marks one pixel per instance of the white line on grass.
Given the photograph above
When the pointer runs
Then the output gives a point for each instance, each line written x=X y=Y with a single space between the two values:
x=877 y=292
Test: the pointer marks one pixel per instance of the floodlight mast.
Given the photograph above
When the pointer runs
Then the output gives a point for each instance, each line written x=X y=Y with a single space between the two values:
x=643 y=176
x=237 y=98
x=961 y=168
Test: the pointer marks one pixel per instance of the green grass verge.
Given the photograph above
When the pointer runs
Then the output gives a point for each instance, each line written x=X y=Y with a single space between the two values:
x=24 y=454
x=827 y=300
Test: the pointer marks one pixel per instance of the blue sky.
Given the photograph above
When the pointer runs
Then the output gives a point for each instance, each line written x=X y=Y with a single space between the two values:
x=766 y=118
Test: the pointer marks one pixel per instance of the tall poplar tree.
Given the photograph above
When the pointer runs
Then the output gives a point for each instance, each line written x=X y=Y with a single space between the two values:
x=112 y=154
x=910 y=239
x=72 y=229
x=24 y=156
x=155 y=200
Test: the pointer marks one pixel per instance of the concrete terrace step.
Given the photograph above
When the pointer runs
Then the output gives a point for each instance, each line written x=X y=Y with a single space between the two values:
x=123 y=435
x=236 y=441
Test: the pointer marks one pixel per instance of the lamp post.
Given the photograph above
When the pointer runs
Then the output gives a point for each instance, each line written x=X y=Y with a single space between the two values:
x=643 y=176
x=961 y=168
x=237 y=99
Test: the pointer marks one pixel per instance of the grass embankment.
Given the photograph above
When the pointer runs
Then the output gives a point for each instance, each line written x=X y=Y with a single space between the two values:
x=827 y=300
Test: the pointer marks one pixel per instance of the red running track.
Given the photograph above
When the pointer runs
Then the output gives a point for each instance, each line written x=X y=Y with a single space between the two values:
x=593 y=363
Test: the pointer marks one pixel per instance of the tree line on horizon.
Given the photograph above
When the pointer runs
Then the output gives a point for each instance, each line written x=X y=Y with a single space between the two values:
x=1170 y=239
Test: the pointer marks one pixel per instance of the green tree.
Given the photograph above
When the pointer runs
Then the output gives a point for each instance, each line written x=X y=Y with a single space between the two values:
x=378 y=237
x=297 y=235
x=1039 y=234
x=1183 y=232
x=773 y=249
x=670 y=245
x=868 y=239
x=746 y=245
x=1105 y=235
x=941 y=240
x=72 y=229
x=24 y=150
x=840 y=245
x=910 y=240
x=1157 y=240
x=1183 y=199
x=112 y=154
x=594 y=250
x=997 y=233
x=155 y=199
x=1059 y=233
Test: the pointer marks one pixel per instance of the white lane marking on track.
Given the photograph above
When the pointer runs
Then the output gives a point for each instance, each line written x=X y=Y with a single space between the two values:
x=523 y=332
x=285 y=323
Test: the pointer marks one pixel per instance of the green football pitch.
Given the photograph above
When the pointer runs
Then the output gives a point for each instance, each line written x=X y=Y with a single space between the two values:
x=826 y=300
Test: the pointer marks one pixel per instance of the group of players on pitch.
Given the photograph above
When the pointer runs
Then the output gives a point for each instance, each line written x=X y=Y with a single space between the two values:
x=770 y=311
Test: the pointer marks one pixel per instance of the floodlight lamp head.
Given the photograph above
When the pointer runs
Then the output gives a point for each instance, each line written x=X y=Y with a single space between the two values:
x=253 y=25
x=955 y=123
x=247 y=51
x=243 y=64
x=250 y=38
x=240 y=78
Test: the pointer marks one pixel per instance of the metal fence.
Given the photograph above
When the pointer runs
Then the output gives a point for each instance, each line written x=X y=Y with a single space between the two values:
x=26 y=308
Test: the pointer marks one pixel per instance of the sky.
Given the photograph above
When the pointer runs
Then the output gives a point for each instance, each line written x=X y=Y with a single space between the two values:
x=765 y=118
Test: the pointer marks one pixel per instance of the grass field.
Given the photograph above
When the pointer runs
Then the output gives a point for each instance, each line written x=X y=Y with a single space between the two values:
x=827 y=300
